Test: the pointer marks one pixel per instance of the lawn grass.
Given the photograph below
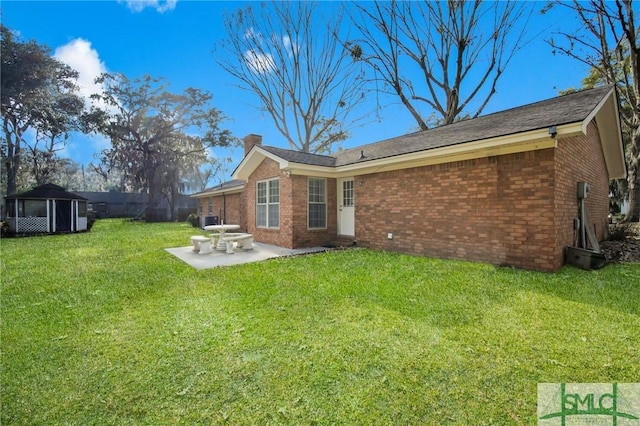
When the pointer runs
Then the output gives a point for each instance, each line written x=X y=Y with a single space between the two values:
x=106 y=327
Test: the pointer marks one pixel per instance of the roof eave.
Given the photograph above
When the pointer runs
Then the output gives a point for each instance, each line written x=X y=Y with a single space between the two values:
x=219 y=191
x=528 y=141
x=607 y=117
x=253 y=159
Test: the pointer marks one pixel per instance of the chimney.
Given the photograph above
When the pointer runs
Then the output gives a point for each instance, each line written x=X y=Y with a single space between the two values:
x=250 y=140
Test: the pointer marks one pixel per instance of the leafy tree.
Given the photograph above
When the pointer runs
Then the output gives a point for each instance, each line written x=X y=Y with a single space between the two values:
x=69 y=174
x=287 y=54
x=607 y=41
x=38 y=92
x=618 y=188
x=41 y=151
x=459 y=50
x=156 y=136
x=201 y=178
x=105 y=178
x=43 y=164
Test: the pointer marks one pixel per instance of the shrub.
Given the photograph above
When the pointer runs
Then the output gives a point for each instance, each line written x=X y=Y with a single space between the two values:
x=621 y=231
x=194 y=220
x=91 y=219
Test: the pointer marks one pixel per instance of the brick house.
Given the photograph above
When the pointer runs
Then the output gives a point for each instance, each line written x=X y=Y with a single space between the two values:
x=501 y=188
x=222 y=203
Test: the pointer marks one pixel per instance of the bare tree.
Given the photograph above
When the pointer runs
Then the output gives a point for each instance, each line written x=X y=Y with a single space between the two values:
x=287 y=53
x=459 y=50
x=607 y=41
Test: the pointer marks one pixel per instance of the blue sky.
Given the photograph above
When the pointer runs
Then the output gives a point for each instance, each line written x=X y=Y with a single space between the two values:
x=175 y=40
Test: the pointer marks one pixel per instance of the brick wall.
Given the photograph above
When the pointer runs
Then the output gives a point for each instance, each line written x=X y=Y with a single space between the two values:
x=580 y=159
x=514 y=210
x=230 y=208
x=302 y=235
x=283 y=236
x=497 y=210
x=293 y=231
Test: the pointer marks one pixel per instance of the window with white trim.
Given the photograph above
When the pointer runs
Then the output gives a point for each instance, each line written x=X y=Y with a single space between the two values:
x=317 y=209
x=268 y=203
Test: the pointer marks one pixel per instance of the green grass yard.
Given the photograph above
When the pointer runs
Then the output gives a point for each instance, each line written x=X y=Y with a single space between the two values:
x=106 y=327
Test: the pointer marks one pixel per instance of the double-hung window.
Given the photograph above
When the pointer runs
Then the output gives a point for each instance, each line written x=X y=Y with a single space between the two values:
x=268 y=204
x=317 y=203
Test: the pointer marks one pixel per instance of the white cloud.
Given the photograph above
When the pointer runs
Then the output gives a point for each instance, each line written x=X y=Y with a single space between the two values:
x=80 y=56
x=259 y=62
x=251 y=33
x=289 y=46
x=287 y=42
x=159 y=5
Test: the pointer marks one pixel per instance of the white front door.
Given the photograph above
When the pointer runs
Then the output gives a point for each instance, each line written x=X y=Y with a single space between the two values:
x=346 y=207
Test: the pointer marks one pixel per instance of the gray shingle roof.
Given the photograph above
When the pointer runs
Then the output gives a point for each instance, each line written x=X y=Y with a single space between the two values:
x=571 y=108
x=47 y=191
x=564 y=109
x=224 y=186
x=301 y=157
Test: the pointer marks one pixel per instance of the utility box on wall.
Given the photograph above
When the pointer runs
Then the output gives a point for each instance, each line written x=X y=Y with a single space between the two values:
x=583 y=190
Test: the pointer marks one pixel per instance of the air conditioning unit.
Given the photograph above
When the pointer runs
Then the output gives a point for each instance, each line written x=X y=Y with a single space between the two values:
x=210 y=220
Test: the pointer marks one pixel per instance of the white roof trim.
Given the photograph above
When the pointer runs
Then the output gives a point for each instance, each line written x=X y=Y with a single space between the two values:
x=219 y=191
x=253 y=159
x=608 y=122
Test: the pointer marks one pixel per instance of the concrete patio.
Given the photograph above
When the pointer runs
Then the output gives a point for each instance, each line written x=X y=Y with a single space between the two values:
x=220 y=258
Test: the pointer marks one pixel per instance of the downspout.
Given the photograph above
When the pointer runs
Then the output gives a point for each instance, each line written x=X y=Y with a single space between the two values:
x=224 y=205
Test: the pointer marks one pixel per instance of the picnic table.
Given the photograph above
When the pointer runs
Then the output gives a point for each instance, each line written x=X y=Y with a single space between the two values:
x=222 y=229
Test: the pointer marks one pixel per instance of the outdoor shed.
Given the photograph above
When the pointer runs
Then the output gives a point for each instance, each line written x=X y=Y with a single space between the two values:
x=47 y=208
x=500 y=188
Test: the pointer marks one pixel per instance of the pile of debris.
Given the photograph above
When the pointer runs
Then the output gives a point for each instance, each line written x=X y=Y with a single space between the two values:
x=626 y=245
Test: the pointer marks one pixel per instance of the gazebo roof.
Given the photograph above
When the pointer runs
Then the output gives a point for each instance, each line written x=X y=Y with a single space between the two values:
x=47 y=191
